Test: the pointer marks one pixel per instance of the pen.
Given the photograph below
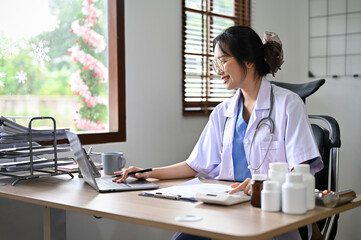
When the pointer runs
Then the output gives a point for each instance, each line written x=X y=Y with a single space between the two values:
x=134 y=172
x=167 y=196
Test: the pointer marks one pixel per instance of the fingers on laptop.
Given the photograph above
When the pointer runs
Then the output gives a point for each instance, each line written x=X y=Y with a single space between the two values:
x=117 y=178
x=125 y=173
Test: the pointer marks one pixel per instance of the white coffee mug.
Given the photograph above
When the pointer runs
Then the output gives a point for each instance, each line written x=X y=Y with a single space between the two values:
x=112 y=162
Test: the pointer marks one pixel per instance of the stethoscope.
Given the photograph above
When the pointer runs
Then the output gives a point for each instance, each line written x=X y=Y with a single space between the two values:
x=268 y=121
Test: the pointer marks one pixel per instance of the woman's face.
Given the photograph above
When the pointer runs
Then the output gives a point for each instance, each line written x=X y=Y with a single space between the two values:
x=232 y=74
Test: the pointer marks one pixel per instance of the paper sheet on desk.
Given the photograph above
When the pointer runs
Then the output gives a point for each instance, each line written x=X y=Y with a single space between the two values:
x=188 y=190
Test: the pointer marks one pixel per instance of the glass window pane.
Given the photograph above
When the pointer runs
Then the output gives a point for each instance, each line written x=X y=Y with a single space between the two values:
x=55 y=64
x=195 y=4
x=193 y=65
x=204 y=20
x=219 y=24
x=195 y=41
x=224 y=7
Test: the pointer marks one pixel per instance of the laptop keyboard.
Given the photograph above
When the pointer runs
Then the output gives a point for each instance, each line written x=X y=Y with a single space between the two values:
x=106 y=183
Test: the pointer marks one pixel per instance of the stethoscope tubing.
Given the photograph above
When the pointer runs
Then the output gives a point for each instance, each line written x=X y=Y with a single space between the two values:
x=262 y=122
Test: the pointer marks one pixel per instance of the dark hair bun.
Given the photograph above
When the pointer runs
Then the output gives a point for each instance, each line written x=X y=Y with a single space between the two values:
x=272 y=50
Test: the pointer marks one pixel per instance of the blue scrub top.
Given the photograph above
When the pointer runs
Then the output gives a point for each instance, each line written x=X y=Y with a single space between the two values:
x=240 y=164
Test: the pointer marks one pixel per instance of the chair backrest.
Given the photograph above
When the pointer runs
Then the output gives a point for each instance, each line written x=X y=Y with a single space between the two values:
x=302 y=89
x=328 y=141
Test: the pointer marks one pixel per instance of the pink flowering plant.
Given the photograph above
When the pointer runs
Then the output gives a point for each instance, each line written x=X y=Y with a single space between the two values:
x=89 y=82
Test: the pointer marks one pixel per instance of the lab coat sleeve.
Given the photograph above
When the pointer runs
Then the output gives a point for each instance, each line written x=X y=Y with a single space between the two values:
x=205 y=157
x=300 y=143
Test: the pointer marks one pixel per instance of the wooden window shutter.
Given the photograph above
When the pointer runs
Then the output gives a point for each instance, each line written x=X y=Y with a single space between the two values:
x=203 y=20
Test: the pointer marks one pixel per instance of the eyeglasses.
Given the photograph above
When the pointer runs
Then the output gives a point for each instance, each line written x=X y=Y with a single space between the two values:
x=217 y=64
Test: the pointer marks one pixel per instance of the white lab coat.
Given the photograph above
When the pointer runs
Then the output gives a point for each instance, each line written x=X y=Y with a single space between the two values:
x=293 y=141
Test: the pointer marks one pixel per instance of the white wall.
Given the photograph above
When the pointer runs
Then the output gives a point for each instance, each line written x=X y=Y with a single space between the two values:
x=339 y=98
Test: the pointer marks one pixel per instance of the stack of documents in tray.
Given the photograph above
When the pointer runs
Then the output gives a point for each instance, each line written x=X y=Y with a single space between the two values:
x=15 y=147
x=12 y=132
x=37 y=164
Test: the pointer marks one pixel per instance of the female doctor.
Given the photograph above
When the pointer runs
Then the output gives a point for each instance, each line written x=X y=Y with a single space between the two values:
x=260 y=124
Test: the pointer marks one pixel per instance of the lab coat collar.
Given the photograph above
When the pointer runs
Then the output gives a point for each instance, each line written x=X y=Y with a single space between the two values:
x=232 y=109
x=264 y=95
x=263 y=99
x=262 y=105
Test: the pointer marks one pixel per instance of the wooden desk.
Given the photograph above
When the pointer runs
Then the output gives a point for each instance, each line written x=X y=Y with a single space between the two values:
x=240 y=221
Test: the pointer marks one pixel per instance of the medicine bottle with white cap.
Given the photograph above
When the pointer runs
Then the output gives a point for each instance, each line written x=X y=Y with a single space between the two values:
x=294 y=194
x=256 y=188
x=309 y=181
x=271 y=196
x=277 y=172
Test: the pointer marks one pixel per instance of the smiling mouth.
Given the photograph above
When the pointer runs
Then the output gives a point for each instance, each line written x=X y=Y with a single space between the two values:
x=225 y=79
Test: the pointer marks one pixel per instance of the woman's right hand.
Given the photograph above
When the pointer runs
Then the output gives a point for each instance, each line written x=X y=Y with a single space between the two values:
x=125 y=172
x=245 y=186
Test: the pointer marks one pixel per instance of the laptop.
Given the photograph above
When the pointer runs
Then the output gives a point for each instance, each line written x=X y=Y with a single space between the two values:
x=103 y=184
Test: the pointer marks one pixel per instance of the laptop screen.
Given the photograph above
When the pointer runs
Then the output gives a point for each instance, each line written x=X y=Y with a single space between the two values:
x=81 y=158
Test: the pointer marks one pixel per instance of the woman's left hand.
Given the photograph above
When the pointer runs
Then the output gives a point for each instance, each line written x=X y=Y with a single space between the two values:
x=245 y=186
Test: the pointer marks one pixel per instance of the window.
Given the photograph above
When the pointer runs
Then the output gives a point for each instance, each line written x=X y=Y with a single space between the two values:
x=65 y=59
x=203 y=20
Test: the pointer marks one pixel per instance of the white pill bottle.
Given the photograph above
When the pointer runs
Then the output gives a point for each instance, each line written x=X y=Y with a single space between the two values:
x=309 y=181
x=271 y=196
x=294 y=200
x=277 y=172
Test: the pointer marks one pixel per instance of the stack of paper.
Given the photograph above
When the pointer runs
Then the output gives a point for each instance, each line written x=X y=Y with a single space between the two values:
x=15 y=147
x=12 y=132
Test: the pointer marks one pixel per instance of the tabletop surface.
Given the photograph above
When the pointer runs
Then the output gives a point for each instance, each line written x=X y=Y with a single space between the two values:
x=241 y=221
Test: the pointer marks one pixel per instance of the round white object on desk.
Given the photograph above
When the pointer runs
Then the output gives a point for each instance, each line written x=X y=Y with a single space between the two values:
x=188 y=218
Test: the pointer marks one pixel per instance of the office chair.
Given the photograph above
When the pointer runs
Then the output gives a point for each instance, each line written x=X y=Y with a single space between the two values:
x=302 y=89
x=328 y=141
